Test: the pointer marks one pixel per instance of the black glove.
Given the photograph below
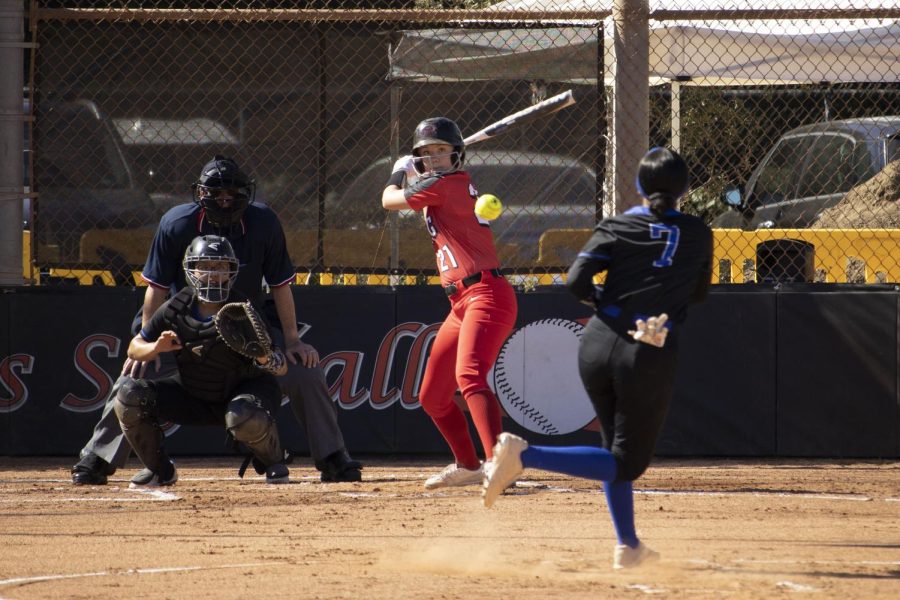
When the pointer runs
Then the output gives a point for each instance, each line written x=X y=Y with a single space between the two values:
x=244 y=330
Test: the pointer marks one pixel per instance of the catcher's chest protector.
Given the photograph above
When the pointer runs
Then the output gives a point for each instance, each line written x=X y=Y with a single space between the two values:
x=209 y=369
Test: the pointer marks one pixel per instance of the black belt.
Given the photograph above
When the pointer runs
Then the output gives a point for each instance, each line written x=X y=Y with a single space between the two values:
x=470 y=280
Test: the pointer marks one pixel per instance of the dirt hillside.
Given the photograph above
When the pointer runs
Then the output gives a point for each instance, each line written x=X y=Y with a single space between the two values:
x=873 y=204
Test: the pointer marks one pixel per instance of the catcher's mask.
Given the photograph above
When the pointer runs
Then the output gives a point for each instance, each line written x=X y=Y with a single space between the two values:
x=210 y=267
x=438 y=130
x=224 y=191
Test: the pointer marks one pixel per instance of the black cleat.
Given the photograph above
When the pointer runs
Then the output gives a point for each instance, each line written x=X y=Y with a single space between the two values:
x=277 y=473
x=339 y=467
x=145 y=478
x=91 y=470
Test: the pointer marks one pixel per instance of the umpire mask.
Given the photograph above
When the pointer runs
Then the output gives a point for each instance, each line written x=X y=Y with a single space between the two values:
x=210 y=267
x=224 y=191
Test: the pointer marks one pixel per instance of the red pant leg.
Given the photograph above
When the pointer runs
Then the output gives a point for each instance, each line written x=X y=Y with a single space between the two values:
x=438 y=380
x=487 y=312
x=438 y=388
x=490 y=315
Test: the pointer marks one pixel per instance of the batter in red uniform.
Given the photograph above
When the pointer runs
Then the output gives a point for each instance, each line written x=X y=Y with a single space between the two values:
x=482 y=302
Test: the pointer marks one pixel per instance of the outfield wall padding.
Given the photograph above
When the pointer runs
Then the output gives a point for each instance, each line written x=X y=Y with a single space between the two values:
x=765 y=370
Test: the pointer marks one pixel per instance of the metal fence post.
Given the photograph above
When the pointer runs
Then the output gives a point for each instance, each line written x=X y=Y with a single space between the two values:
x=12 y=38
x=393 y=217
x=631 y=100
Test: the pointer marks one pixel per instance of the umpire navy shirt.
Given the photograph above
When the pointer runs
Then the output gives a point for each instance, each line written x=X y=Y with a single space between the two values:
x=258 y=243
x=655 y=265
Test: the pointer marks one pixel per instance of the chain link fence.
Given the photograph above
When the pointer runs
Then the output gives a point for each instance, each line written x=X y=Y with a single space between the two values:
x=788 y=114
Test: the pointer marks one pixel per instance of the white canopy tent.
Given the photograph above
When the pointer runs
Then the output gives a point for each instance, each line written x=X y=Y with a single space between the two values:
x=717 y=50
x=696 y=52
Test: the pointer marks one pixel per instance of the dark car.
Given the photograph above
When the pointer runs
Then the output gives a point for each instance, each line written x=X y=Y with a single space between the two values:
x=539 y=191
x=83 y=181
x=167 y=153
x=810 y=169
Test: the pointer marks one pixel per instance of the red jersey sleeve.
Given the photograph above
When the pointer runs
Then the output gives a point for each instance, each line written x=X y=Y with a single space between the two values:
x=432 y=195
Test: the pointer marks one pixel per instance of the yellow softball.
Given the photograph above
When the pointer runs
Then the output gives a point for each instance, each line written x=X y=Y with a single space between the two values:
x=488 y=207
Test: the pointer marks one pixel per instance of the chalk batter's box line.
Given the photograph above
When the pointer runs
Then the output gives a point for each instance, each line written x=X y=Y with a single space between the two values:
x=294 y=478
x=159 y=570
x=142 y=571
x=524 y=486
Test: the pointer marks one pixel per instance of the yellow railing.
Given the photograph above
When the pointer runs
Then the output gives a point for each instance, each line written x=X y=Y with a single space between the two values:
x=26 y=255
x=839 y=255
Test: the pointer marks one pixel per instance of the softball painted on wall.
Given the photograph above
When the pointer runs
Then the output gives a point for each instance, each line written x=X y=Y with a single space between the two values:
x=536 y=378
x=488 y=207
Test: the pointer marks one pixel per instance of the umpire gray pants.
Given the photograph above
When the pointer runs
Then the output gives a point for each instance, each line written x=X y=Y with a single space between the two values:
x=305 y=388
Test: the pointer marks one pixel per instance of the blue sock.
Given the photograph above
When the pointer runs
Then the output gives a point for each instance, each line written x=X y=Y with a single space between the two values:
x=589 y=462
x=620 y=499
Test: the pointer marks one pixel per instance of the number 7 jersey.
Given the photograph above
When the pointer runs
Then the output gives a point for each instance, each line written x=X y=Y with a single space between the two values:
x=463 y=243
x=655 y=265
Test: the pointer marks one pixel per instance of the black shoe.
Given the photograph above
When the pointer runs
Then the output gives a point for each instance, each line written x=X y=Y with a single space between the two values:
x=91 y=470
x=337 y=467
x=277 y=473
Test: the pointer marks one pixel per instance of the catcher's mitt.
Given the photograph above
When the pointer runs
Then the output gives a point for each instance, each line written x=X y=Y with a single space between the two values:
x=244 y=330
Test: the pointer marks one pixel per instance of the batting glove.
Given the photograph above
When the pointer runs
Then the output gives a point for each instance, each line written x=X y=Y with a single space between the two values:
x=405 y=164
x=653 y=331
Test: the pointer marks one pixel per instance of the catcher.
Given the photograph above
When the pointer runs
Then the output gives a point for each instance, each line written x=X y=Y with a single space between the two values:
x=226 y=370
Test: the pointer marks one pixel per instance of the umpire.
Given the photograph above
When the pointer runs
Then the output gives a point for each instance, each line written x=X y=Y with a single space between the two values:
x=223 y=205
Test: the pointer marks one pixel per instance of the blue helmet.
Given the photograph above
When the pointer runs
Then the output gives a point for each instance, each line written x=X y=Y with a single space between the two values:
x=210 y=285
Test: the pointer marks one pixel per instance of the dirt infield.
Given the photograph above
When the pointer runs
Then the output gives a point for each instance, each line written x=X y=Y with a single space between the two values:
x=726 y=529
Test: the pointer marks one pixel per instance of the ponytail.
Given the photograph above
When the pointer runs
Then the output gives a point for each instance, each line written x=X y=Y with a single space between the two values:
x=662 y=178
x=661 y=203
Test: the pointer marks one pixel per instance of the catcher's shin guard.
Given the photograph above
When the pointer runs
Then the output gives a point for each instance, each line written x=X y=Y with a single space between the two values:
x=136 y=409
x=253 y=426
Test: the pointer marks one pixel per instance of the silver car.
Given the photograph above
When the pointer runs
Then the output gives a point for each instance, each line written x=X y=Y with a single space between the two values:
x=539 y=191
x=810 y=169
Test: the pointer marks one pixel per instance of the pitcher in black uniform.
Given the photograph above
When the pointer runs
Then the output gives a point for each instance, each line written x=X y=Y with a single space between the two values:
x=215 y=385
x=658 y=260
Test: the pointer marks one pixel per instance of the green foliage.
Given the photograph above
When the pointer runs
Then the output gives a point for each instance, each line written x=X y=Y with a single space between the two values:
x=722 y=139
x=705 y=201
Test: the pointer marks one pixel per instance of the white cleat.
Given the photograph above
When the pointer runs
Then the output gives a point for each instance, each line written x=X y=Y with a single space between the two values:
x=626 y=557
x=454 y=476
x=505 y=467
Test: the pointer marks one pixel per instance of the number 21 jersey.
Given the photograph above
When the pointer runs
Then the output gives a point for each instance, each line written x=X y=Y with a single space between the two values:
x=463 y=243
